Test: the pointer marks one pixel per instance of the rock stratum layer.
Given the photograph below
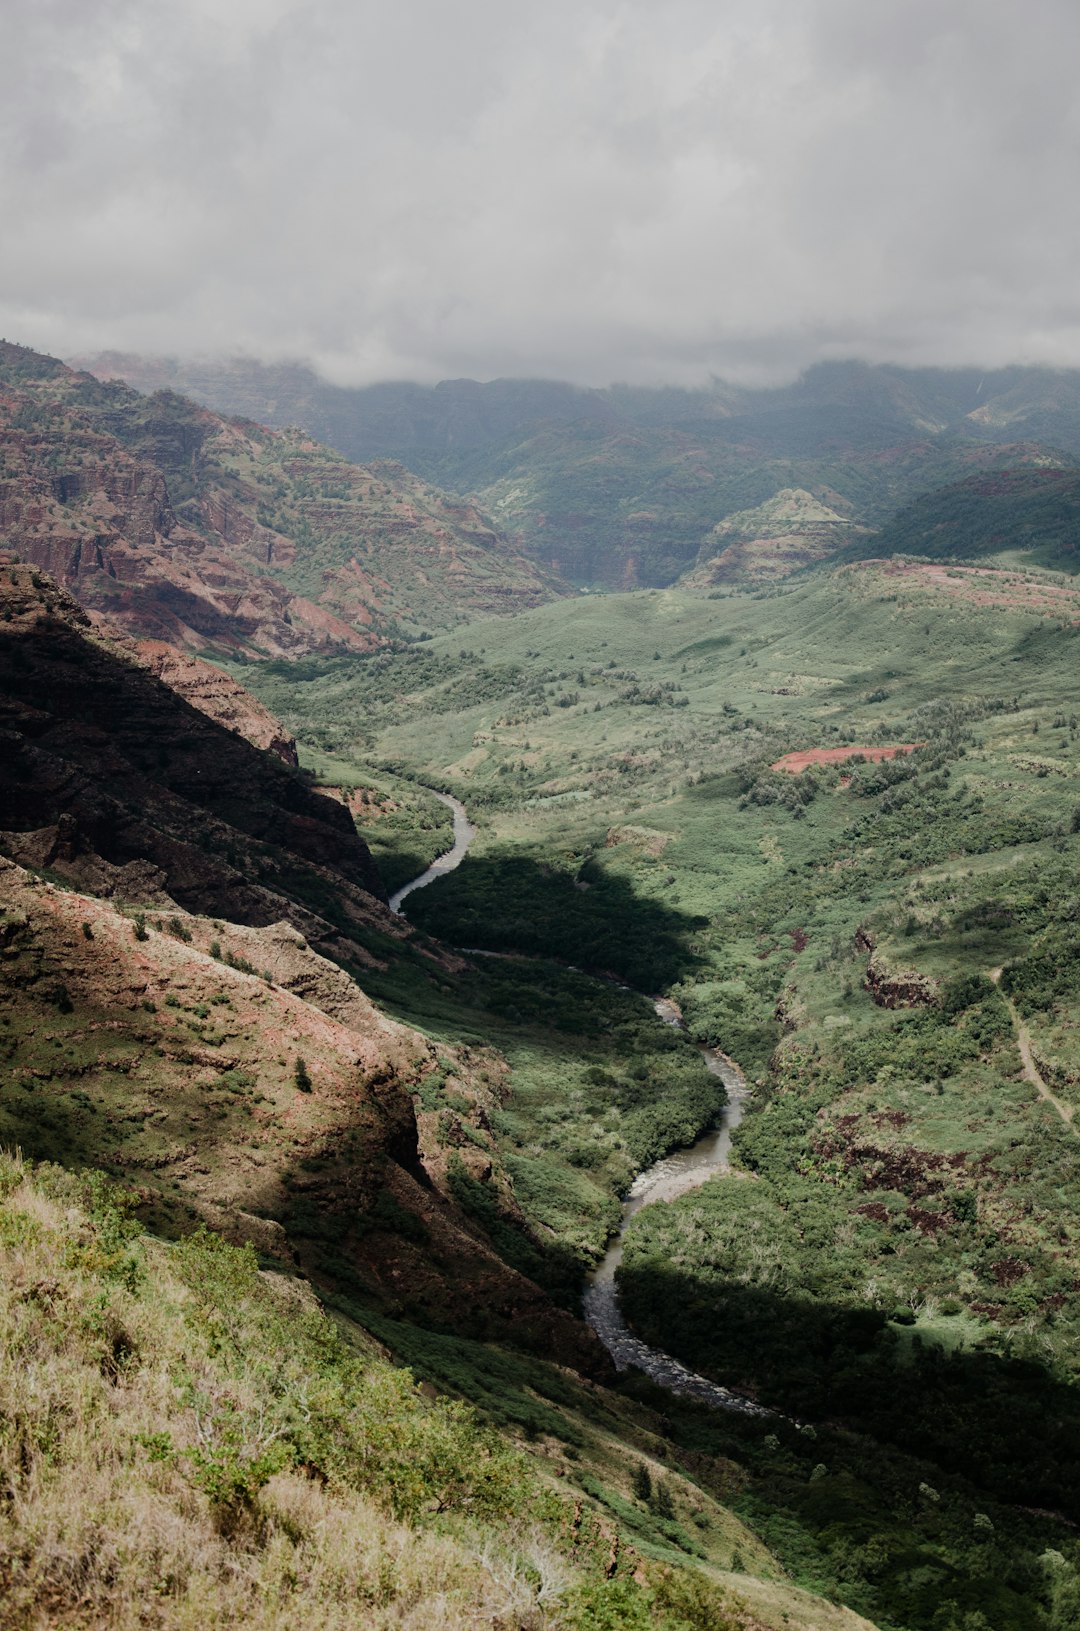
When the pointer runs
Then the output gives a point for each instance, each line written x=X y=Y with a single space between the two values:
x=180 y=525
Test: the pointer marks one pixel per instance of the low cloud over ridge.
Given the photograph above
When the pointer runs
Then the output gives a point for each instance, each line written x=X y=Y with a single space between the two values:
x=590 y=190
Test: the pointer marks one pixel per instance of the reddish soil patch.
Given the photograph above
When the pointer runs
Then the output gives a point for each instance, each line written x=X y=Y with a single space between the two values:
x=1009 y=1271
x=988 y=586
x=796 y=763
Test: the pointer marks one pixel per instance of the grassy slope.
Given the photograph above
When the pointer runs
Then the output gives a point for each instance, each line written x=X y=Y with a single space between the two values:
x=184 y=1437
x=704 y=872
x=202 y=1137
x=1031 y=514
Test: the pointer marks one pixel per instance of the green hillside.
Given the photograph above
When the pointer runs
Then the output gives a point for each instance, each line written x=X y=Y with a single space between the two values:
x=622 y=487
x=184 y=1436
x=897 y=1254
x=1027 y=516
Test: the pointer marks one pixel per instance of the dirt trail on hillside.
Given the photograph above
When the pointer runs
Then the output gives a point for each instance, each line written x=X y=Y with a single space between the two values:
x=1031 y=1069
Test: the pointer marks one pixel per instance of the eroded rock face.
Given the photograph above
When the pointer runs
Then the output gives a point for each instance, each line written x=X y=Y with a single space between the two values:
x=181 y=526
x=216 y=694
x=136 y=776
x=899 y=988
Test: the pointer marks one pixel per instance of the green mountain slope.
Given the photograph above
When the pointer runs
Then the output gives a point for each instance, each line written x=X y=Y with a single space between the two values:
x=181 y=1433
x=898 y=1255
x=1030 y=516
x=835 y=820
x=186 y=1436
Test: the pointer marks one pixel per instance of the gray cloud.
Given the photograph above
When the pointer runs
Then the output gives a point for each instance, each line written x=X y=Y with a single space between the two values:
x=592 y=189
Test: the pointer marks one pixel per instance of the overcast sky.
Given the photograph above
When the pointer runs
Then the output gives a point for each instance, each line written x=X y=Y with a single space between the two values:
x=589 y=189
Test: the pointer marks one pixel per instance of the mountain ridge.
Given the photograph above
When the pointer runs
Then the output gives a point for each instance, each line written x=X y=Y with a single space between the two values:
x=621 y=487
x=179 y=524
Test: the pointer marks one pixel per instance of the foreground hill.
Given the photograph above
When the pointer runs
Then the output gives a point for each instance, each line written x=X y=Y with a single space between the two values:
x=625 y=486
x=186 y=1437
x=181 y=525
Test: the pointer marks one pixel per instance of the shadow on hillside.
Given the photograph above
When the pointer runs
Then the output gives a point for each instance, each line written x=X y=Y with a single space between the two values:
x=1008 y=1426
x=514 y=903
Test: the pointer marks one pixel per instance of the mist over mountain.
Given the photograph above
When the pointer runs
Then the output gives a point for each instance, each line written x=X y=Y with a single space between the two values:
x=539 y=816
x=626 y=486
x=590 y=192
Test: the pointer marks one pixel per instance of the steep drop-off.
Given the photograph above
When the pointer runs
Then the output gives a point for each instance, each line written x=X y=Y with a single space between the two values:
x=177 y=905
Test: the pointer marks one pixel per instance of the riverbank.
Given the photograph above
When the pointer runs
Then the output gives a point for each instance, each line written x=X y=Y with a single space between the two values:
x=672 y=1175
x=464 y=833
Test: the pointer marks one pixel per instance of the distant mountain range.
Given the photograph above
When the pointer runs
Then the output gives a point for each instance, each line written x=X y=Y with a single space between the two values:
x=628 y=486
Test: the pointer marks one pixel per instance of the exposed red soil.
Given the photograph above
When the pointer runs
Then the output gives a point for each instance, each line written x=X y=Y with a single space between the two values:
x=987 y=586
x=170 y=1061
x=796 y=763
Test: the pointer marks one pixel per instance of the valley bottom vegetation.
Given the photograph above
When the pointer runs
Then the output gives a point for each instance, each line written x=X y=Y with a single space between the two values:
x=300 y=1196
x=886 y=941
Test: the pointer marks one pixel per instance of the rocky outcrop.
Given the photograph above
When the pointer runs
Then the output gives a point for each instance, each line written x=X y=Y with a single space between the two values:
x=788 y=531
x=105 y=768
x=216 y=694
x=894 y=988
x=179 y=525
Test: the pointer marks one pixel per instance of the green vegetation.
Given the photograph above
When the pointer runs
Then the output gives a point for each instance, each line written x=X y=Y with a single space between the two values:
x=403 y=826
x=1027 y=515
x=623 y=486
x=888 y=945
x=182 y=1436
x=598 y=1087
x=899 y=1256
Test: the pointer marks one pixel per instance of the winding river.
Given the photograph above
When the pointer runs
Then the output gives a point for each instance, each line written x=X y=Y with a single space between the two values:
x=666 y=1179
x=464 y=833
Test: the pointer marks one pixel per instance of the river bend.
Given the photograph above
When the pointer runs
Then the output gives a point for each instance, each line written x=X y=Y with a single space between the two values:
x=666 y=1179
x=450 y=860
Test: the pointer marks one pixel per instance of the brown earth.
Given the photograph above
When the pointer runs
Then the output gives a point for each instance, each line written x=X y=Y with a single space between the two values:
x=162 y=1048
x=183 y=949
x=891 y=987
x=796 y=763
